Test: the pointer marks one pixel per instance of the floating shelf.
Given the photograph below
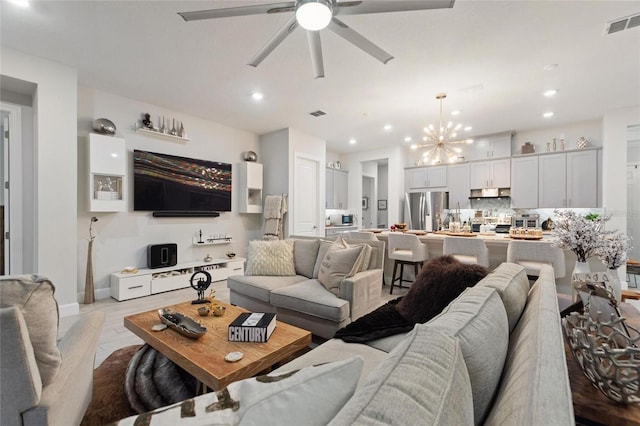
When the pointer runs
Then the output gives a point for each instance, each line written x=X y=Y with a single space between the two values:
x=161 y=135
x=207 y=241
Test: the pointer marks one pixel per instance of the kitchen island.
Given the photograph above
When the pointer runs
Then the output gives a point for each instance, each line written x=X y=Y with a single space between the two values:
x=497 y=245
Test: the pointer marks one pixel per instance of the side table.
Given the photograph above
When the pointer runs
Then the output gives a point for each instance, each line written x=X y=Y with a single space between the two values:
x=590 y=406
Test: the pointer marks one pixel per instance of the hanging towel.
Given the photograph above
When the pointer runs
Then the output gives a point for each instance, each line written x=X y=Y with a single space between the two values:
x=273 y=207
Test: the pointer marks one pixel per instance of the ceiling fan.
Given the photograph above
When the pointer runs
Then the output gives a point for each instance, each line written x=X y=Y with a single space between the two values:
x=314 y=15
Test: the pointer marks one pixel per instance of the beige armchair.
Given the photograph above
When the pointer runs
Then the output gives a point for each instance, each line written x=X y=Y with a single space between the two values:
x=43 y=381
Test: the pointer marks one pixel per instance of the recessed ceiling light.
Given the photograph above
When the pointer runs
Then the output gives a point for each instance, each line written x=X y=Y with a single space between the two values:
x=547 y=114
x=549 y=93
x=387 y=127
x=455 y=112
x=468 y=129
x=407 y=139
x=353 y=141
x=551 y=67
x=20 y=3
x=257 y=96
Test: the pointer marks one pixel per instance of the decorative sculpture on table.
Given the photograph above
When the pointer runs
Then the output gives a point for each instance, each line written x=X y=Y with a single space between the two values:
x=200 y=285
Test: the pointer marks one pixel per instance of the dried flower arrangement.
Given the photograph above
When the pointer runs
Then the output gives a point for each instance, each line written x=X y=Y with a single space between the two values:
x=612 y=250
x=580 y=234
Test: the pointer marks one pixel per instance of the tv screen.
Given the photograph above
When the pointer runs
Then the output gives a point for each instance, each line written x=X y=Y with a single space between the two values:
x=163 y=182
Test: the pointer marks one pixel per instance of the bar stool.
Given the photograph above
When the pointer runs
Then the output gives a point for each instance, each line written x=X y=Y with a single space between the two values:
x=406 y=249
x=467 y=250
x=532 y=254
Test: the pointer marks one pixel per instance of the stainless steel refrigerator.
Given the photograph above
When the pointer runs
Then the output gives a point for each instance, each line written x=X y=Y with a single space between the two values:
x=425 y=210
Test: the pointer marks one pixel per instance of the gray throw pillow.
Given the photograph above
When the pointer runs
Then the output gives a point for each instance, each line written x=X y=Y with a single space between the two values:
x=305 y=253
x=340 y=262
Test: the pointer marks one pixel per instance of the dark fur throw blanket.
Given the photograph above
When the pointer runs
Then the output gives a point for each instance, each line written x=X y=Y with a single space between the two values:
x=441 y=280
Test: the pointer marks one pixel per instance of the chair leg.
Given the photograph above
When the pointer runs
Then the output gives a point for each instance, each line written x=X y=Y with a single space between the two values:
x=393 y=276
x=416 y=270
x=401 y=274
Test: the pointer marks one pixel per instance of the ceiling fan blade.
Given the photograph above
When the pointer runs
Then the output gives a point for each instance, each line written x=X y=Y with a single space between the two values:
x=315 y=46
x=384 y=6
x=347 y=33
x=287 y=29
x=238 y=11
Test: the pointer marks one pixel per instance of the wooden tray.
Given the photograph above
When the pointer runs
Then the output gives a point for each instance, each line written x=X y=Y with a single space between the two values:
x=456 y=234
x=416 y=232
x=375 y=230
x=525 y=237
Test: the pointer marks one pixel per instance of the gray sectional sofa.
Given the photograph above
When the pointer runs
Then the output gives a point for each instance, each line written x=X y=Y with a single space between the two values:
x=301 y=300
x=494 y=356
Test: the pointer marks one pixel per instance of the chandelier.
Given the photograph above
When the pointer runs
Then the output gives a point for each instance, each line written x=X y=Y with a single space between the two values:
x=440 y=142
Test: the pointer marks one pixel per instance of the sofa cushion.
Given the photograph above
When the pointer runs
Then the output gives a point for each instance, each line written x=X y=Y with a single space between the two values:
x=512 y=284
x=533 y=391
x=270 y=258
x=260 y=287
x=35 y=296
x=310 y=396
x=322 y=251
x=423 y=381
x=340 y=262
x=441 y=280
x=312 y=298
x=305 y=253
x=478 y=319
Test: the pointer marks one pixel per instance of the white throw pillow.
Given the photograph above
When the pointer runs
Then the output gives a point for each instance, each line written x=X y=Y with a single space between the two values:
x=340 y=262
x=273 y=258
x=309 y=396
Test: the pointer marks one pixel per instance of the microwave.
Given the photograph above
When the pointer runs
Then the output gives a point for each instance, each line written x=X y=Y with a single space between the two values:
x=347 y=219
x=526 y=221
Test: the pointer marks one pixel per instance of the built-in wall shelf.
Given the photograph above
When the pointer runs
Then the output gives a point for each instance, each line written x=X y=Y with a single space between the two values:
x=160 y=135
x=210 y=240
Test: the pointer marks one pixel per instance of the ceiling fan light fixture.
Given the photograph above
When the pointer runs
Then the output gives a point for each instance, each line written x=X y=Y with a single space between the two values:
x=313 y=15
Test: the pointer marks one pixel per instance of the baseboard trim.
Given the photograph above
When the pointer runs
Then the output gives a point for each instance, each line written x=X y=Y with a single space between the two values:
x=69 y=310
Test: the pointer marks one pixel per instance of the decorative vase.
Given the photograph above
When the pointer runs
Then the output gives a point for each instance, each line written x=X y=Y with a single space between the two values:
x=89 y=296
x=615 y=284
x=578 y=268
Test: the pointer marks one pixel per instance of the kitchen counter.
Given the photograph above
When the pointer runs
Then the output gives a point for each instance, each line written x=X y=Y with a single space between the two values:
x=497 y=245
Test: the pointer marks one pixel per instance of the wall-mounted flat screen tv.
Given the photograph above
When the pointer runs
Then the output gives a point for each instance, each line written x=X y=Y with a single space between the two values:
x=163 y=182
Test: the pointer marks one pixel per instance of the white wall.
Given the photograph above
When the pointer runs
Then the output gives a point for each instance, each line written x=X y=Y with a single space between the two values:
x=396 y=162
x=614 y=160
x=56 y=172
x=122 y=237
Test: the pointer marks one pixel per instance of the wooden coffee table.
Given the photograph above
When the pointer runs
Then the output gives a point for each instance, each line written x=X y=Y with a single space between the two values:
x=203 y=358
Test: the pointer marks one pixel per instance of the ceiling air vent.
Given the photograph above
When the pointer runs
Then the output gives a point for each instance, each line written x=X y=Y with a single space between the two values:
x=622 y=24
x=318 y=113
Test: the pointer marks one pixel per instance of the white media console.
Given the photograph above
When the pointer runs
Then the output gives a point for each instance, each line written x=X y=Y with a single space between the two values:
x=146 y=282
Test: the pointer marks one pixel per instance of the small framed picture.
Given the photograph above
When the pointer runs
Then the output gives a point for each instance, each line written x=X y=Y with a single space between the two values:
x=382 y=204
x=365 y=203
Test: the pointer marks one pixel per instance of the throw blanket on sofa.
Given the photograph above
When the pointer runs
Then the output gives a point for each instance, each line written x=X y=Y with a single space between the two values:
x=384 y=321
x=441 y=280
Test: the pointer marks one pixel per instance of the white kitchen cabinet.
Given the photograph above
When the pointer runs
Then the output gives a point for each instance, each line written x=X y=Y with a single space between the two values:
x=337 y=195
x=249 y=175
x=524 y=182
x=459 y=190
x=152 y=281
x=568 y=180
x=552 y=181
x=426 y=177
x=333 y=231
x=582 y=179
x=490 y=174
x=491 y=146
x=107 y=173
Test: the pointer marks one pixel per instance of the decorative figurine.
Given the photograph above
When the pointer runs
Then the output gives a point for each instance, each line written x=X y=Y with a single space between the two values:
x=146 y=121
x=208 y=258
x=200 y=286
x=200 y=239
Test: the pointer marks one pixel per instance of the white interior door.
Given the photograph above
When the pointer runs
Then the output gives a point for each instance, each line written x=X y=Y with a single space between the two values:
x=6 y=252
x=633 y=209
x=306 y=189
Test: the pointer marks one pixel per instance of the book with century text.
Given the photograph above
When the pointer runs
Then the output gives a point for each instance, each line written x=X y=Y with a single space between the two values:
x=252 y=327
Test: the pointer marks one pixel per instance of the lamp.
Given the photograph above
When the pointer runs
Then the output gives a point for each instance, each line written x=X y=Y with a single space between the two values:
x=439 y=141
x=313 y=15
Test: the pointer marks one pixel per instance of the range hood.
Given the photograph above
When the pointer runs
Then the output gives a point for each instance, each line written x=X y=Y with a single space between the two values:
x=477 y=194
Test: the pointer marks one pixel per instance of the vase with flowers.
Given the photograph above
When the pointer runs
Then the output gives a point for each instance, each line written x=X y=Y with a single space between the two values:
x=612 y=251
x=580 y=234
